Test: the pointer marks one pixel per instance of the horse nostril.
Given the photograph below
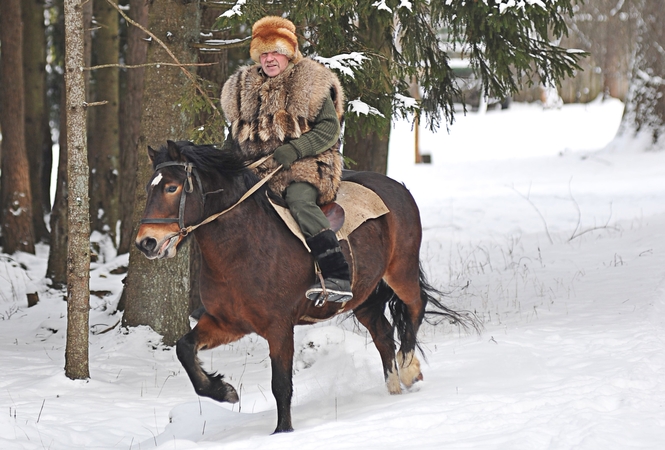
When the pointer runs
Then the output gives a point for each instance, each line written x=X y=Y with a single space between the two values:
x=149 y=244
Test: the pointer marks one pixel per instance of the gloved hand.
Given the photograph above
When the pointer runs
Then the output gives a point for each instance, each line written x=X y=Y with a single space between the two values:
x=285 y=155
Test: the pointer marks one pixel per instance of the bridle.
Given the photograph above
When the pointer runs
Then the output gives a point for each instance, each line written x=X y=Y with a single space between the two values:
x=188 y=188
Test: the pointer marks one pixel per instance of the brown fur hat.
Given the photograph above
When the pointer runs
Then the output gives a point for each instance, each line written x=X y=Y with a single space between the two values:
x=274 y=34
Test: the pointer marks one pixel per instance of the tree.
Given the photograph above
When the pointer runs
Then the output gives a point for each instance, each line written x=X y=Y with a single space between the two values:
x=104 y=149
x=507 y=44
x=130 y=118
x=57 y=267
x=157 y=292
x=37 y=131
x=16 y=199
x=645 y=109
x=78 y=255
x=606 y=30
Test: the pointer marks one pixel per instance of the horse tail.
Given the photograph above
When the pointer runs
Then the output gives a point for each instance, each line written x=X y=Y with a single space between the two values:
x=438 y=312
x=434 y=311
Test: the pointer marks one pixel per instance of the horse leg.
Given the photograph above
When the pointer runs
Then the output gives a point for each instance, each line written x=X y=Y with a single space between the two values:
x=371 y=315
x=408 y=312
x=207 y=334
x=281 y=360
x=408 y=364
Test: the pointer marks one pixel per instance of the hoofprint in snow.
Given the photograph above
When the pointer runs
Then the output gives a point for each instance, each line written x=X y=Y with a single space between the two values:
x=557 y=247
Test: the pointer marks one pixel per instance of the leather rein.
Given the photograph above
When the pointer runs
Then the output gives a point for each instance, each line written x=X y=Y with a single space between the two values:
x=188 y=188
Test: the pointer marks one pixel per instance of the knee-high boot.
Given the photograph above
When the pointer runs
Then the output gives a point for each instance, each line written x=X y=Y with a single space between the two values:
x=336 y=284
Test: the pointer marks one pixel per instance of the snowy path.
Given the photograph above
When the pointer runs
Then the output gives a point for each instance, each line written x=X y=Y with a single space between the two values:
x=571 y=357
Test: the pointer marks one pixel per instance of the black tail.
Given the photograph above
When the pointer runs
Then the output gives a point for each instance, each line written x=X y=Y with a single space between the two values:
x=435 y=312
x=438 y=313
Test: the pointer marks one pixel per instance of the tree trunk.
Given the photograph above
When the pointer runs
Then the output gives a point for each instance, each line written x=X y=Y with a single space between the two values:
x=16 y=198
x=37 y=132
x=368 y=149
x=78 y=254
x=157 y=292
x=645 y=109
x=56 y=269
x=130 y=119
x=104 y=149
x=365 y=145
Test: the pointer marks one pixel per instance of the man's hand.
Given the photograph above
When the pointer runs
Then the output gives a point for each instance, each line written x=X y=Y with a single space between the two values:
x=285 y=155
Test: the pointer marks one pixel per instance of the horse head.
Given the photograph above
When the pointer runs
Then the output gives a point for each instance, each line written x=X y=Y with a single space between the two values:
x=167 y=211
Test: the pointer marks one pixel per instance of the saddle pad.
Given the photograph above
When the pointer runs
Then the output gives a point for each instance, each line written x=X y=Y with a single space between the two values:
x=359 y=203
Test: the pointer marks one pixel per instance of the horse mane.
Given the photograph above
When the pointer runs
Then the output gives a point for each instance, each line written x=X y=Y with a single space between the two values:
x=212 y=160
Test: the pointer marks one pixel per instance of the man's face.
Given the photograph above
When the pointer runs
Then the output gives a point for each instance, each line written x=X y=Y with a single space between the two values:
x=273 y=63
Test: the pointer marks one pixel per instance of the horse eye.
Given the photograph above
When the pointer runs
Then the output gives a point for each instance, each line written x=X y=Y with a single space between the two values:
x=171 y=189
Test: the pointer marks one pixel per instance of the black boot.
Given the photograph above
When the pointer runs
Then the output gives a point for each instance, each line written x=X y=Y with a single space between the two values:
x=336 y=286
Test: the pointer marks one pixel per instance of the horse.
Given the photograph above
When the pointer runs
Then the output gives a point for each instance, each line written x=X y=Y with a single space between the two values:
x=255 y=271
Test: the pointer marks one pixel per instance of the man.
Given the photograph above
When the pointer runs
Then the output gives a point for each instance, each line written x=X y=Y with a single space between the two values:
x=291 y=107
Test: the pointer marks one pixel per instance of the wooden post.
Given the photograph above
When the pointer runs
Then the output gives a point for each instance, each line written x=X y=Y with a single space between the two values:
x=414 y=91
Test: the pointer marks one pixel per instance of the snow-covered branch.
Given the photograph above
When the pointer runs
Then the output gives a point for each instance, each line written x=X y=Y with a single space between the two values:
x=235 y=10
x=359 y=107
x=381 y=5
x=345 y=62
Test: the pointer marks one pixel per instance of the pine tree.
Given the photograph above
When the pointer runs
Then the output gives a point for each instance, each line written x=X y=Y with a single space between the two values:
x=104 y=148
x=507 y=43
x=157 y=292
x=78 y=254
x=15 y=196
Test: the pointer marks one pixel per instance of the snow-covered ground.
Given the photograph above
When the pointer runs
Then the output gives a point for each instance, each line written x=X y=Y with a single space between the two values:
x=537 y=220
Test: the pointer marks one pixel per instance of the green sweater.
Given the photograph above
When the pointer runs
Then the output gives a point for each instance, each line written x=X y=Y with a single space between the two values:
x=323 y=135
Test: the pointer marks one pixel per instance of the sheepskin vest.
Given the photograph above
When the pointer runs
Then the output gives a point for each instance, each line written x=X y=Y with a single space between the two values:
x=265 y=113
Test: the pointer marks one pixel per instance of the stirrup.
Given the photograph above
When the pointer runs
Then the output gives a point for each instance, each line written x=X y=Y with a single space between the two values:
x=329 y=290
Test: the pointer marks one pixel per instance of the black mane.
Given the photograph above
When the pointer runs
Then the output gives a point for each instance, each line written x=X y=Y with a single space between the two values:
x=212 y=160
x=207 y=158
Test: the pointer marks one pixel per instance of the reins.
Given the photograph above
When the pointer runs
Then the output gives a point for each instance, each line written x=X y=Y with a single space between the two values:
x=189 y=169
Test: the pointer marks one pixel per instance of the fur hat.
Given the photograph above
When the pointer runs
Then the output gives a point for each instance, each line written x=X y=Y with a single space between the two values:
x=274 y=34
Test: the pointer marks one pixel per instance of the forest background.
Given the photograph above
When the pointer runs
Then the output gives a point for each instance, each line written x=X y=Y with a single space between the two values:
x=153 y=71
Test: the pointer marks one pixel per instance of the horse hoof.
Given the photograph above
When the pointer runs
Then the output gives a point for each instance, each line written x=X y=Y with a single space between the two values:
x=231 y=395
x=219 y=390
x=409 y=369
x=392 y=383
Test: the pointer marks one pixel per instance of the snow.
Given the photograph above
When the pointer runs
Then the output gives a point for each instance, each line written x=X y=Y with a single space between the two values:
x=345 y=62
x=540 y=221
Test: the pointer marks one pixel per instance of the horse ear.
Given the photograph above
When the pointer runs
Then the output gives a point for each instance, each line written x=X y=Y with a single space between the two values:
x=174 y=151
x=151 y=154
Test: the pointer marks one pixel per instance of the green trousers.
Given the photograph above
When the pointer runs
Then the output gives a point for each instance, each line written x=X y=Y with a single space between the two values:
x=301 y=199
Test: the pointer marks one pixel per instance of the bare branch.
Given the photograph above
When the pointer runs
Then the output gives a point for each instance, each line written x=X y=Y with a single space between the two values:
x=187 y=73
x=87 y=105
x=526 y=197
x=138 y=66
x=217 y=44
x=577 y=206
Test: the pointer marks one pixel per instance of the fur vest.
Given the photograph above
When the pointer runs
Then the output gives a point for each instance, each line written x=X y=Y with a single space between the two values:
x=265 y=113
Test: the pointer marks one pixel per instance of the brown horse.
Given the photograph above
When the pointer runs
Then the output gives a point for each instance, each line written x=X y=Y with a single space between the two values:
x=254 y=271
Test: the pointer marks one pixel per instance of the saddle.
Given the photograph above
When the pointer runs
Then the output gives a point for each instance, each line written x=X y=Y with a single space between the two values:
x=355 y=205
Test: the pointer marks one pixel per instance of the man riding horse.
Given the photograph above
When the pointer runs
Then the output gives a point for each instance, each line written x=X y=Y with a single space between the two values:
x=291 y=107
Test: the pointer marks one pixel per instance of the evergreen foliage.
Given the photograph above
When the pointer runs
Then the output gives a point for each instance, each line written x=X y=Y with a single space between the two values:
x=508 y=44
